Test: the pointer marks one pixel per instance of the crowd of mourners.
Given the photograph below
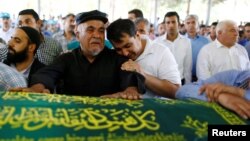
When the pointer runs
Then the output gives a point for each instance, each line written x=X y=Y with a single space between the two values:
x=130 y=58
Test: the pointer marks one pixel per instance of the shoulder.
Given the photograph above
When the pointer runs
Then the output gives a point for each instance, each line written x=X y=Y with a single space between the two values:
x=50 y=41
x=158 y=48
x=38 y=63
x=209 y=46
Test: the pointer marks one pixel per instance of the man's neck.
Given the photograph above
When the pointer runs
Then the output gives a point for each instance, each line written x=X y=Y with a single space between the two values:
x=5 y=29
x=213 y=37
x=24 y=65
x=68 y=34
x=89 y=57
x=192 y=34
x=172 y=37
x=143 y=44
x=228 y=45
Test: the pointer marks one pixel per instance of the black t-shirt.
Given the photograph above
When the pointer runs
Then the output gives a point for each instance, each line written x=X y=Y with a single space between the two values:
x=80 y=77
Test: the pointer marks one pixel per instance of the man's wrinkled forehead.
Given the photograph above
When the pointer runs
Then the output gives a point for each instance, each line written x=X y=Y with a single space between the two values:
x=92 y=24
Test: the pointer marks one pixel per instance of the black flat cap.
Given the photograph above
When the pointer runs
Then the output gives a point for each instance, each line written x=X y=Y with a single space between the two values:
x=91 y=15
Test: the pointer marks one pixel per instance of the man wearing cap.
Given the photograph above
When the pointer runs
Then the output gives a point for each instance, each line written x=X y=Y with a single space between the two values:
x=49 y=48
x=6 y=31
x=22 y=48
x=91 y=69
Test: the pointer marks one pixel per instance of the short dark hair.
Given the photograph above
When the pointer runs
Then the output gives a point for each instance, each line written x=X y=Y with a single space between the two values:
x=138 y=13
x=214 y=23
x=247 y=24
x=69 y=15
x=202 y=25
x=29 y=12
x=117 y=28
x=170 y=14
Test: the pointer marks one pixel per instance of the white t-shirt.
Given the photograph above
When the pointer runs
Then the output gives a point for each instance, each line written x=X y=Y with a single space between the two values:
x=182 y=51
x=158 y=61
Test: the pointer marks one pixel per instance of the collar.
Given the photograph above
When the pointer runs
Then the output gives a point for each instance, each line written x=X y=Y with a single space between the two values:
x=147 y=50
x=220 y=45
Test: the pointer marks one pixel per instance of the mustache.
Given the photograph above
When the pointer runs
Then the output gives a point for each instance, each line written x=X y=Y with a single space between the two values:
x=11 y=49
x=95 y=40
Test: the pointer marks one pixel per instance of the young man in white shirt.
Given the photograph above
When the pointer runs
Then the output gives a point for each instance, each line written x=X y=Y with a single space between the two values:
x=178 y=44
x=154 y=61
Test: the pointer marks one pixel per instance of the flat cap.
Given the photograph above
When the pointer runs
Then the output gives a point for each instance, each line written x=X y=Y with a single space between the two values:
x=4 y=15
x=91 y=15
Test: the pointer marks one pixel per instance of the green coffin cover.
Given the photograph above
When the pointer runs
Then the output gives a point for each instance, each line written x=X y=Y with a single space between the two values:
x=52 y=117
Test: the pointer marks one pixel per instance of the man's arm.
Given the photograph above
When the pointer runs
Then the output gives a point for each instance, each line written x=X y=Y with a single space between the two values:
x=202 y=66
x=161 y=87
x=188 y=64
x=213 y=91
x=235 y=103
x=158 y=86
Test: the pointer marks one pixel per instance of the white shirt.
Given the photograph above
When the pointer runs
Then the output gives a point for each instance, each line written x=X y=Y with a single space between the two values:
x=6 y=35
x=214 y=58
x=182 y=51
x=158 y=61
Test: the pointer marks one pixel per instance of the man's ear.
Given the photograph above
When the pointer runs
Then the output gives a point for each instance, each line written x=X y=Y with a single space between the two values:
x=39 y=23
x=77 y=35
x=32 y=47
x=137 y=35
x=76 y=32
x=219 y=32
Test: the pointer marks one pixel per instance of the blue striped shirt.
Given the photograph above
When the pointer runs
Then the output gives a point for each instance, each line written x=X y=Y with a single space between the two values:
x=235 y=78
x=10 y=78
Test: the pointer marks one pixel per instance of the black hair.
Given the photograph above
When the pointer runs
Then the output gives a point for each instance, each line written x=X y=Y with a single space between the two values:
x=247 y=24
x=69 y=15
x=117 y=28
x=214 y=24
x=170 y=14
x=29 y=12
x=138 y=13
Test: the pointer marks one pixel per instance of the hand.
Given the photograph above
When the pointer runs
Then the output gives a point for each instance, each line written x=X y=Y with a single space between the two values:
x=38 y=88
x=212 y=90
x=235 y=103
x=131 y=65
x=21 y=89
x=130 y=93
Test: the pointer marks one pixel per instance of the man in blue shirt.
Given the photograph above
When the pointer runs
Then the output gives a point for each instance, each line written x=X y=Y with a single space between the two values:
x=197 y=41
x=229 y=88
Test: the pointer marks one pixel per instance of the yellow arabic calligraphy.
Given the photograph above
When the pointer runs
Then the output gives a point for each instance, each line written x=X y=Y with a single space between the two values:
x=64 y=99
x=36 y=118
